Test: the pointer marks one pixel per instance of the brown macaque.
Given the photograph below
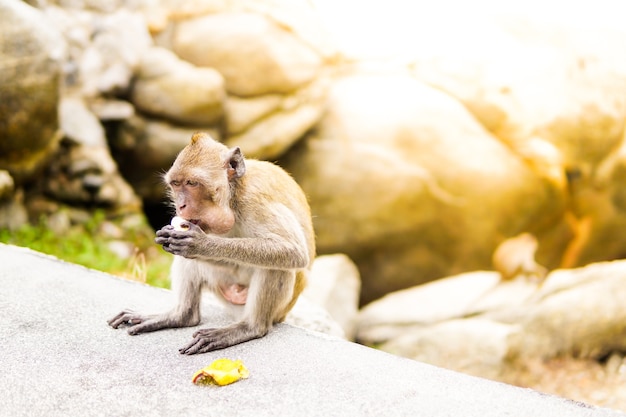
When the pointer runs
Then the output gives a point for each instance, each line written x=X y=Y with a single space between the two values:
x=515 y=257
x=247 y=236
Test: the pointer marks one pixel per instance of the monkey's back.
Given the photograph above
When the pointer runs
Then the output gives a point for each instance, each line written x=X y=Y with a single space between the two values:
x=273 y=184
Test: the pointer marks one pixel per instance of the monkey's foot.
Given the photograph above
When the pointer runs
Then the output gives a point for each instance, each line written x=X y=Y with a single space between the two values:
x=207 y=340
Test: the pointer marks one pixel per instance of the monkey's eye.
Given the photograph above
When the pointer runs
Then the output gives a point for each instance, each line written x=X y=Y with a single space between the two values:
x=175 y=183
x=191 y=183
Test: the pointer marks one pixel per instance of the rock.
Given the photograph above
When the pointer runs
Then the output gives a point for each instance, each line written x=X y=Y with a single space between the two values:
x=598 y=212
x=13 y=214
x=473 y=346
x=313 y=317
x=83 y=171
x=572 y=93
x=555 y=81
x=79 y=124
x=277 y=126
x=108 y=62
x=31 y=55
x=300 y=17
x=112 y=110
x=104 y=47
x=422 y=306
x=410 y=186
x=242 y=113
x=7 y=185
x=515 y=257
x=576 y=312
x=176 y=90
x=334 y=284
x=497 y=328
x=241 y=46
x=83 y=175
x=122 y=249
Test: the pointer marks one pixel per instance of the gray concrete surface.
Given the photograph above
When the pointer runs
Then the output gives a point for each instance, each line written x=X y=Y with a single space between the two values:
x=59 y=358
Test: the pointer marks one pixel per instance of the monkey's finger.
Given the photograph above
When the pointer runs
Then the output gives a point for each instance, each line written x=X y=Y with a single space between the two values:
x=125 y=318
x=188 y=350
x=209 y=347
x=164 y=232
x=180 y=249
x=162 y=240
x=165 y=229
x=194 y=347
x=169 y=248
x=118 y=319
x=168 y=231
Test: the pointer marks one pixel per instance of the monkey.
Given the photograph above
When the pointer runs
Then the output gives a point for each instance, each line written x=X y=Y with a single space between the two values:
x=516 y=257
x=247 y=237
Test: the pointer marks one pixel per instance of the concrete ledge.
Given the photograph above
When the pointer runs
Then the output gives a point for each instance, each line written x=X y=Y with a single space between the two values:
x=59 y=358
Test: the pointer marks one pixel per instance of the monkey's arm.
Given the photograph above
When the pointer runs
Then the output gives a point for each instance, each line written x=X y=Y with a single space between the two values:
x=272 y=251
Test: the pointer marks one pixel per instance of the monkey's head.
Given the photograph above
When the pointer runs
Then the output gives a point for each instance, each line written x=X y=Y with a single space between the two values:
x=201 y=183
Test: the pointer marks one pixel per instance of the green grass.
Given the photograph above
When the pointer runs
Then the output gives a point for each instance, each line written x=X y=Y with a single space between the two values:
x=82 y=245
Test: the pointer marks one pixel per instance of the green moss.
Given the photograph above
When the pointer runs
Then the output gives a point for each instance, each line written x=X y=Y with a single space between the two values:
x=82 y=245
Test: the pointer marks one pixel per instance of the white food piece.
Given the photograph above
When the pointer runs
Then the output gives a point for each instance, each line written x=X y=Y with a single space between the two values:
x=179 y=223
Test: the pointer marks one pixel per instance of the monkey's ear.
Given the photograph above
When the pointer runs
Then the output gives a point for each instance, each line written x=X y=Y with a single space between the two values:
x=235 y=164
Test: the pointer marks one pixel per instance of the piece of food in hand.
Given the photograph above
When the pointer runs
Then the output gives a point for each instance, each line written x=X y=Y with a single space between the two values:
x=179 y=223
x=220 y=372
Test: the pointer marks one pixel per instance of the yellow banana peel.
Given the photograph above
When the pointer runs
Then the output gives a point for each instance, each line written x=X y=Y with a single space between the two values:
x=221 y=372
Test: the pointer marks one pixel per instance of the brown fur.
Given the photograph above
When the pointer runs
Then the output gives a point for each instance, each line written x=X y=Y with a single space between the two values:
x=250 y=240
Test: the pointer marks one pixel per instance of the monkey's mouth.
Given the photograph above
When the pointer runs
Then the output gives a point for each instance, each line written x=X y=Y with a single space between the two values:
x=199 y=223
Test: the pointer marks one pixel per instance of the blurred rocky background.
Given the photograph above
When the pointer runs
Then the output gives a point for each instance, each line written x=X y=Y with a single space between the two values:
x=480 y=141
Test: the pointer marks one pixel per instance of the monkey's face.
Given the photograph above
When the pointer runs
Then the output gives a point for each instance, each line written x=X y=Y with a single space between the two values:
x=201 y=201
x=200 y=183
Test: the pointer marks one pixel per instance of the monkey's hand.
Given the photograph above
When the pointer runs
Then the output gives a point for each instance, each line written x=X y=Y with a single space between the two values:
x=187 y=243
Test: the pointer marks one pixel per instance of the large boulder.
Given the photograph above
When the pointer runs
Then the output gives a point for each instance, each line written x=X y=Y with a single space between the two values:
x=555 y=79
x=481 y=325
x=83 y=173
x=555 y=76
x=104 y=48
x=274 y=122
x=255 y=55
x=403 y=179
x=13 y=214
x=176 y=90
x=31 y=55
x=272 y=56
x=549 y=87
x=335 y=284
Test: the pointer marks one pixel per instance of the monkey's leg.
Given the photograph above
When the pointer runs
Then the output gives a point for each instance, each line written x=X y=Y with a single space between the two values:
x=185 y=314
x=269 y=292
